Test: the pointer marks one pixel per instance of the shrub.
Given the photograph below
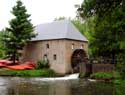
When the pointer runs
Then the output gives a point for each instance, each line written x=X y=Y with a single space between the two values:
x=42 y=64
x=102 y=75
x=120 y=67
x=117 y=82
x=81 y=75
x=84 y=75
x=116 y=75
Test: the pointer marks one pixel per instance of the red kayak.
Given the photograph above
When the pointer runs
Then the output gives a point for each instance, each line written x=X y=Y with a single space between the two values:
x=25 y=66
x=4 y=63
x=19 y=66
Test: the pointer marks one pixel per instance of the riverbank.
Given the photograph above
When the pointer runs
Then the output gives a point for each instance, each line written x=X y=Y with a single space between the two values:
x=28 y=73
x=110 y=77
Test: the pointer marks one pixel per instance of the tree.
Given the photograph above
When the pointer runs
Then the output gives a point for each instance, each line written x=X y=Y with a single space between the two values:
x=2 y=51
x=109 y=26
x=19 y=33
x=60 y=18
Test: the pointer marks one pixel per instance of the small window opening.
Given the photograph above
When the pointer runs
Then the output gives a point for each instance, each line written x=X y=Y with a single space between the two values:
x=54 y=57
x=45 y=55
x=82 y=46
x=45 y=58
x=47 y=46
x=72 y=46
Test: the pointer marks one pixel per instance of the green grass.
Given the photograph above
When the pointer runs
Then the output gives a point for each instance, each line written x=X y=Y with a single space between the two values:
x=119 y=87
x=105 y=75
x=28 y=73
x=119 y=82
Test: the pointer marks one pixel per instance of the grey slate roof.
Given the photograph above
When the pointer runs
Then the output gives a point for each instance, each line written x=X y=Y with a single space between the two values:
x=58 y=30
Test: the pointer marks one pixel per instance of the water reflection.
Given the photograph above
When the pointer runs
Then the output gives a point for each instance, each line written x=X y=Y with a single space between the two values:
x=3 y=86
x=32 y=86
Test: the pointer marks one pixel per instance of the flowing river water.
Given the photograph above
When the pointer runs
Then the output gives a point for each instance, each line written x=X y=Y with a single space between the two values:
x=69 y=85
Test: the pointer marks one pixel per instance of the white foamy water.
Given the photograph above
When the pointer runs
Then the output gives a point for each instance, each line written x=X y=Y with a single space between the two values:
x=67 y=77
x=72 y=76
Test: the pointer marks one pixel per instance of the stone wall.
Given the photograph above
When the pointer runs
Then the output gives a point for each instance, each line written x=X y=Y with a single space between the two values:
x=102 y=68
x=93 y=68
x=38 y=50
x=62 y=48
x=71 y=46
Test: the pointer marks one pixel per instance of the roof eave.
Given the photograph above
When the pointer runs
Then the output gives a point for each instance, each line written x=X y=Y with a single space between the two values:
x=60 y=39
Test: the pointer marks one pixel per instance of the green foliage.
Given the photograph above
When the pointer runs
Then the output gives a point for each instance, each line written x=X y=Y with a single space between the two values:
x=98 y=7
x=105 y=75
x=28 y=73
x=2 y=51
x=105 y=22
x=85 y=75
x=116 y=75
x=42 y=64
x=118 y=82
x=60 y=18
x=82 y=75
x=19 y=33
x=89 y=29
x=121 y=69
x=102 y=75
x=79 y=25
x=119 y=86
x=120 y=66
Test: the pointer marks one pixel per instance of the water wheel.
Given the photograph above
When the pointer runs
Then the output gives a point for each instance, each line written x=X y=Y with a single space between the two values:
x=78 y=57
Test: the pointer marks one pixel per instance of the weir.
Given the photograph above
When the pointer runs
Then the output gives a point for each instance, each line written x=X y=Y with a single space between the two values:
x=67 y=77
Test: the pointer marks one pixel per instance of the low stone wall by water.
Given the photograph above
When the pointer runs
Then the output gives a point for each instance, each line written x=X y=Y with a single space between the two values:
x=93 y=68
x=102 y=68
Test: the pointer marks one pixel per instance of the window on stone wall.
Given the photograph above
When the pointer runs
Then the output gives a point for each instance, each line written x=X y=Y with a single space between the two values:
x=47 y=46
x=54 y=57
x=82 y=46
x=72 y=46
x=45 y=56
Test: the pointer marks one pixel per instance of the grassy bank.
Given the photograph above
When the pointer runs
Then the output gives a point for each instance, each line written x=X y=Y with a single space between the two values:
x=105 y=75
x=119 y=87
x=114 y=77
x=28 y=73
x=101 y=75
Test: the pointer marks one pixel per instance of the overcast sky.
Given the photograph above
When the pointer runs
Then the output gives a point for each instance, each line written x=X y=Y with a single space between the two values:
x=41 y=11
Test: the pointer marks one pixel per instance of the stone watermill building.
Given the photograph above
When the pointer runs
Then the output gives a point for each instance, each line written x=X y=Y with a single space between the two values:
x=60 y=43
